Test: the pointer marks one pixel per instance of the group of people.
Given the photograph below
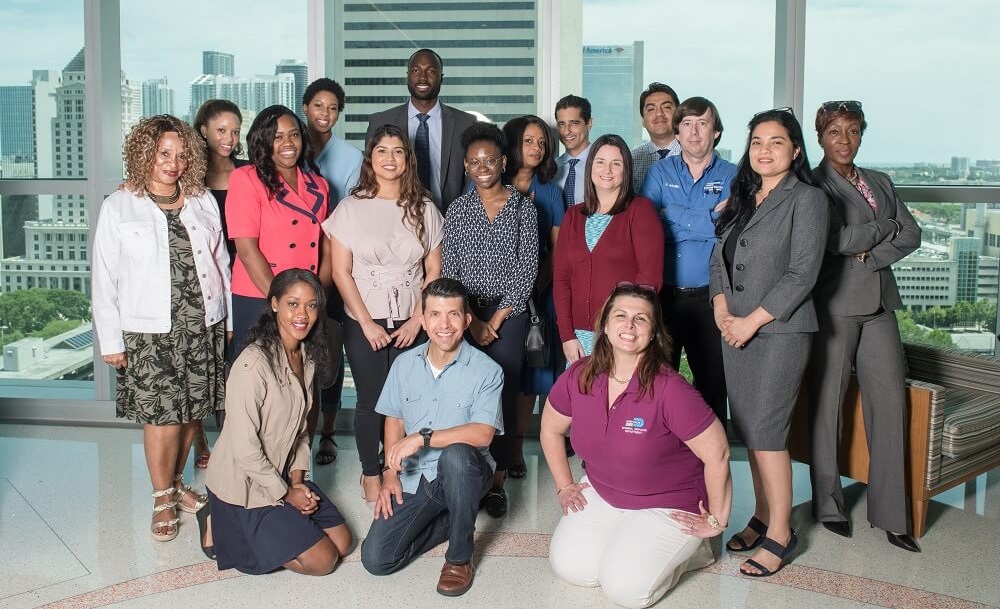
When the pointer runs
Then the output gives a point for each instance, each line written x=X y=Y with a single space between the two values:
x=223 y=285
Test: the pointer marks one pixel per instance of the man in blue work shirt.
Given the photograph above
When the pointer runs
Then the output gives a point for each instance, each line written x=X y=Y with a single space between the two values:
x=442 y=407
x=689 y=191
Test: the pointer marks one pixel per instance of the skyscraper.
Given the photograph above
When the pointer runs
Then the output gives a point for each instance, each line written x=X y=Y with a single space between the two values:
x=489 y=50
x=157 y=97
x=612 y=81
x=217 y=62
x=301 y=73
x=17 y=146
x=253 y=93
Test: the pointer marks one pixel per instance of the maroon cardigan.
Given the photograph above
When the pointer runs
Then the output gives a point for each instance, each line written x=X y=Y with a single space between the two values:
x=631 y=249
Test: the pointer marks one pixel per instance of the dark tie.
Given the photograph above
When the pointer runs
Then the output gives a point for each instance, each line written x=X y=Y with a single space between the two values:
x=569 y=190
x=422 y=146
x=663 y=152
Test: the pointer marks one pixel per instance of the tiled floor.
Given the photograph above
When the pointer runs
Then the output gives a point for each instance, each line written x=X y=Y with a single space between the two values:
x=75 y=510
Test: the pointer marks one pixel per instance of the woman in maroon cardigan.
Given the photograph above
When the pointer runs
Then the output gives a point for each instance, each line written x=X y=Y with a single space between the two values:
x=614 y=236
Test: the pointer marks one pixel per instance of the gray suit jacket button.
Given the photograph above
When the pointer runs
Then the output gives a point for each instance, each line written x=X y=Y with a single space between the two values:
x=739 y=288
x=740 y=266
x=744 y=242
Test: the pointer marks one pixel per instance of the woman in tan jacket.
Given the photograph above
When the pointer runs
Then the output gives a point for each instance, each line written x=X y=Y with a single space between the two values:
x=264 y=515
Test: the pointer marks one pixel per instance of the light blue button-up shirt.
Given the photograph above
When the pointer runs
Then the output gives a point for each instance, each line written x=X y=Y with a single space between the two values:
x=434 y=133
x=686 y=208
x=562 y=171
x=466 y=391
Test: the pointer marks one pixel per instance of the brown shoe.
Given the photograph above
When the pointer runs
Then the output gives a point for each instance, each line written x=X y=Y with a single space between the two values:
x=456 y=579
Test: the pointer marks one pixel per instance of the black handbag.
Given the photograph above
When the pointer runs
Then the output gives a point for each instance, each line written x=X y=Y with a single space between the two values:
x=536 y=343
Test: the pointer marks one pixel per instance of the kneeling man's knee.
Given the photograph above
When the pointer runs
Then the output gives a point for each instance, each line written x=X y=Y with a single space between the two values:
x=372 y=559
x=458 y=457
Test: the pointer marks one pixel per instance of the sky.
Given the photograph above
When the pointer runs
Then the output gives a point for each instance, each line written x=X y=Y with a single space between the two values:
x=925 y=70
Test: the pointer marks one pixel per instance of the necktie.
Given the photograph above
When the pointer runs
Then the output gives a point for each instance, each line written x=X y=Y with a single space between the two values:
x=663 y=152
x=422 y=147
x=569 y=190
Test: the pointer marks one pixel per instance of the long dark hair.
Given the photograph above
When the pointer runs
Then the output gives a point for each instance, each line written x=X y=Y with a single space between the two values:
x=514 y=131
x=264 y=331
x=747 y=182
x=625 y=195
x=413 y=197
x=212 y=108
x=654 y=359
x=260 y=142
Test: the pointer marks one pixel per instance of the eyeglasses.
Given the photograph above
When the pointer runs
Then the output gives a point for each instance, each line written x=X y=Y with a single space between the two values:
x=846 y=106
x=787 y=109
x=490 y=162
x=645 y=287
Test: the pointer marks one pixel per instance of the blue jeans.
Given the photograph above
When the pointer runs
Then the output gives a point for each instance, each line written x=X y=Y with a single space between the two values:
x=444 y=508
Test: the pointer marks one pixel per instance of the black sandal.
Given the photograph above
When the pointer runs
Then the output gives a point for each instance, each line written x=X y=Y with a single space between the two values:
x=741 y=545
x=772 y=546
x=517 y=471
x=202 y=516
x=327 y=455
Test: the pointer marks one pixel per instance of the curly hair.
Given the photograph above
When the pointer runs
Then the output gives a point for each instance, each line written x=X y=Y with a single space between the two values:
x=413 y=197
x=484 y=132
x=139 y=151
x=656 y=356
x=264 y=331
x=212 y=108
x=260 y=141
x=514 y=132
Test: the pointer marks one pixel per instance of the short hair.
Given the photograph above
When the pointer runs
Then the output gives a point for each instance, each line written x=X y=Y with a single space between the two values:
x=430 y=51
x=696 y=106
x=627 y=192
x=825 y=117
x=446 y=287
x=573 y=101
x=139 y=151
x=657 y=87
x=324 y=84
x=484 y=132
x=514 y=132
x=212 y=108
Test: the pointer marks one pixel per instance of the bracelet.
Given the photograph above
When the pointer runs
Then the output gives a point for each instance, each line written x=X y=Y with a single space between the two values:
x=714 y=522
x=565 y=487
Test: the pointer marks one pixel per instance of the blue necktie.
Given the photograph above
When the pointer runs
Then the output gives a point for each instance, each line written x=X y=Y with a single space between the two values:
x=569 y=189
x=422 y=147
x=663 y=152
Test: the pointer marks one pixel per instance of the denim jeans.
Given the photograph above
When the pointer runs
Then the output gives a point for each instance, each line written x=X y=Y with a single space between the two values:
x=444 y=508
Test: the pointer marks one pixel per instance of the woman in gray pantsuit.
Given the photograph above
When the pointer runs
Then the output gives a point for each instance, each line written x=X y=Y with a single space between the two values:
x=764 y=266
x=856 y=296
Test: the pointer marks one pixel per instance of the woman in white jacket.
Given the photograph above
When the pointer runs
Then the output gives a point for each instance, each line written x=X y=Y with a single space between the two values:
x=161 y=302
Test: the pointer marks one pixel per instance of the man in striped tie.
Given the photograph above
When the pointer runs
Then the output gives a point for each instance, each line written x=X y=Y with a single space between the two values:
x=574 y=123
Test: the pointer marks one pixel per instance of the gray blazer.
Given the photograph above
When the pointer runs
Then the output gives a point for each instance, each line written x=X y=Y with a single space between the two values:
x=453 y=123
x=847 y=286
x=777 y=258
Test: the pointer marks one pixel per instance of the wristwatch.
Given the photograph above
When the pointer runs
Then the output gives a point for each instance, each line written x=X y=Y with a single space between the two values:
x=427 y=432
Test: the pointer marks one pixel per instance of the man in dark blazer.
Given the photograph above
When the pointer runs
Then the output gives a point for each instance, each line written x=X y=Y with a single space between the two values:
x=435 y=129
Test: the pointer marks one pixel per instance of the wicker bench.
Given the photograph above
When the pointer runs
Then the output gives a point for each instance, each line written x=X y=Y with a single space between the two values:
x=954 y=425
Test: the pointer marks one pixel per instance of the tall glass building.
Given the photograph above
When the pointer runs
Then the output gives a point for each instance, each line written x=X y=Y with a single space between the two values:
x=612 y=82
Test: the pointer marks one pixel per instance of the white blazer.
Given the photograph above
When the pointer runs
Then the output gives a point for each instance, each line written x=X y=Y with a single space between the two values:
x=130 y=270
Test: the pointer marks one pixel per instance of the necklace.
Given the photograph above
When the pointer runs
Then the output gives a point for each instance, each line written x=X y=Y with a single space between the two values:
x=853 y=176
x=166 y=199
x=620 y=381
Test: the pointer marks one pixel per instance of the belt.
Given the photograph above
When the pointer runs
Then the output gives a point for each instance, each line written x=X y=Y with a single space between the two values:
x=699 y=291
x=485 y=301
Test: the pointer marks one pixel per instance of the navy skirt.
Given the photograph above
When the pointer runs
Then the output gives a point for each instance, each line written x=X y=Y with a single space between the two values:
x=261 y=540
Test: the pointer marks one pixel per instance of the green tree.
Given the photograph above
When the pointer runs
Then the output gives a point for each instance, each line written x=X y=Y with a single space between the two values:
x=911 y=333
x=28 y=311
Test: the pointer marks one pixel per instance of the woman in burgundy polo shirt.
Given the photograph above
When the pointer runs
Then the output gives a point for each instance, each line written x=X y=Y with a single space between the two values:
x=614 y=235
x=657 y=484
x=273 y=211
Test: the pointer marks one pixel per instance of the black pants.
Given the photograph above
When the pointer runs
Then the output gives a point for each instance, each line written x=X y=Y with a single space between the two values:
x=508 y=351
x=370 y=369
x=691 y=323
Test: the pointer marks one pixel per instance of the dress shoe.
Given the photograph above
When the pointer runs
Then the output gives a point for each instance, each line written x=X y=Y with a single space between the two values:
x=496 y=502
x=456 y=579
x=902 y=540
x=840 y=527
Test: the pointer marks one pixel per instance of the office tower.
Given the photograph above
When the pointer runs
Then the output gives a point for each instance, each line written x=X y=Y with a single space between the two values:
x=131 y=104
x=301 y=73
x=216 y=62
x=965 y=250
x=254 y=93
x=612 y=81
x=490 y=55
x=959 y=167
x=17 y=146
x=43 y=93
x=157 y=97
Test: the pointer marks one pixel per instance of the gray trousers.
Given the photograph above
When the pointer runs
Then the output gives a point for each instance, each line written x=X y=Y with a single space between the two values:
x=872 y=344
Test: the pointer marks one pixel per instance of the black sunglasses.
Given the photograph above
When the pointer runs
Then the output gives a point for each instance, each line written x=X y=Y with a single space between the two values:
x=782 y=109
x=645 y=287
x=849 y=105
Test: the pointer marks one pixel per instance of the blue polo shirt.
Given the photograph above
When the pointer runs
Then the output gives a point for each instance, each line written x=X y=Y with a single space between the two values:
x=685 y=208
x=466 y=391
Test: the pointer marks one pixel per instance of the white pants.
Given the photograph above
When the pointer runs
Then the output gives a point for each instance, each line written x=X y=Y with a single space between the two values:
x=636 y=556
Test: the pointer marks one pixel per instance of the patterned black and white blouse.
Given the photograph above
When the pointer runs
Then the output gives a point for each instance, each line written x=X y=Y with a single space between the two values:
x=493 y=259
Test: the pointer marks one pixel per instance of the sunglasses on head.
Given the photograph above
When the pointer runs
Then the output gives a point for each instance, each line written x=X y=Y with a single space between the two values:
x=787 y=109
x=846 y=105
x=645 y=287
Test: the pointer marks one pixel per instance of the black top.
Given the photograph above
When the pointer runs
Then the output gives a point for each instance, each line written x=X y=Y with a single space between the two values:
x=220 y=198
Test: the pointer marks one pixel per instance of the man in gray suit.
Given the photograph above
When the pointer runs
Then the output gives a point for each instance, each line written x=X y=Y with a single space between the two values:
x=435 y=129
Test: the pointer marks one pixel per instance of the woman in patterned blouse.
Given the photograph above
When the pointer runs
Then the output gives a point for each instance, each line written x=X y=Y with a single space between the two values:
x=491 y=245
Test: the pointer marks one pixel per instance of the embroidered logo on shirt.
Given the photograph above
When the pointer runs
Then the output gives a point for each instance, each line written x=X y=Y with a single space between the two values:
x=636 y=426
x=714 y=188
